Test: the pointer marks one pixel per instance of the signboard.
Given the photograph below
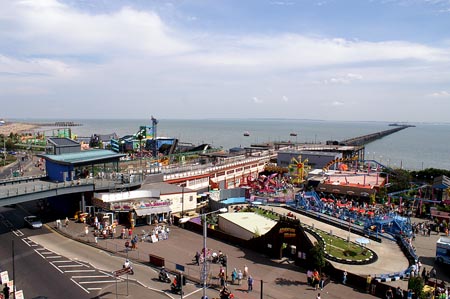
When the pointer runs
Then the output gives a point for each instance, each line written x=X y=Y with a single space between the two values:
x=4 y=277
x=19 y=295
x=179 y=267
x=122 y=271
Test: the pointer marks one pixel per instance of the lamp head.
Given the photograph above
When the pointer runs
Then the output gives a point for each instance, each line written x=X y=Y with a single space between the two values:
x=184 y=219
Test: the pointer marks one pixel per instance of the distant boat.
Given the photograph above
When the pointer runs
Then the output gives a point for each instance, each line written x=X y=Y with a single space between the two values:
x=293 y=134
x=246 y=134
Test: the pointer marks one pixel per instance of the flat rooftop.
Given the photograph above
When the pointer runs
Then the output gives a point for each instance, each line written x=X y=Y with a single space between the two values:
x=250 y=221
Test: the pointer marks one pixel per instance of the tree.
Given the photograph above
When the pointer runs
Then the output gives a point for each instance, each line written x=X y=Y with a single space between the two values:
x=416 y=285
x=318 y=256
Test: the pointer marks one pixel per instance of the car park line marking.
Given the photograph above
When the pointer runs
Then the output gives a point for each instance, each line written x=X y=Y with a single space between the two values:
x=47 y=252
x=54 y=257
x=90 y=276
x=63 y=261
x=18 y=233
x=80 y=286
x=39 y=254
x=81 y=270
x=56 y=267
x=96 y=281
x=71 y=266
x=94 y=289
x=28 y=242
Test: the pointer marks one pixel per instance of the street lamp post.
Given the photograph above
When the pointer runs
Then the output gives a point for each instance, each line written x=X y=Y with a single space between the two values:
x=204 y=271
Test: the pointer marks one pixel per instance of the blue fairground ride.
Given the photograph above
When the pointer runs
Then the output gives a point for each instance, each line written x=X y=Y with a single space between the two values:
x=375 y=221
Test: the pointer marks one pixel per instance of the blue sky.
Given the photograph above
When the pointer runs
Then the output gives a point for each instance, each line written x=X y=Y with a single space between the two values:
x=386 y=60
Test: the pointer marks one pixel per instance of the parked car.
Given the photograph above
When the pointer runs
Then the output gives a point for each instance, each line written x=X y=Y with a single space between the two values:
x=33 y=221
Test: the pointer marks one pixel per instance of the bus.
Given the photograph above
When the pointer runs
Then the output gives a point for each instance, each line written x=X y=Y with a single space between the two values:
x=443 y=250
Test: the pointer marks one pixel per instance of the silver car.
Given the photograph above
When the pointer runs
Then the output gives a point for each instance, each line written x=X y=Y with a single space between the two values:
x=32 y=222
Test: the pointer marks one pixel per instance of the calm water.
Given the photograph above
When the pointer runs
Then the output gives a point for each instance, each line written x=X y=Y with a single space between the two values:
x=423 y=146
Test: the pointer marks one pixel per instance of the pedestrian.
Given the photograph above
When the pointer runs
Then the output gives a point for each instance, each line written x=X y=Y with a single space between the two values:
x=6 y=291
x=344 y=277
x=66 y=222
x=130 y=233
x=373 y=287
x=318 y=296
x=398 y=293
x=122 y=234
x=250 y=283
x=234 y=276
x=389 y=294
x=368 y=282
x=86 y=230
x=409 y=294
x=245 y=271
x=309 y=277
x=322 y=281
x=316 y=279
x=433 y=273
x=240 y=276
x=197 y=258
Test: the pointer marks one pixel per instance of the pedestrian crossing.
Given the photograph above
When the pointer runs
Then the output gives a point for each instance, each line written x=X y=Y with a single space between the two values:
x=82 y=274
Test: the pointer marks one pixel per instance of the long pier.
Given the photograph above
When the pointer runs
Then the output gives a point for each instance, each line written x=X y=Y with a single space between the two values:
x=361 y=140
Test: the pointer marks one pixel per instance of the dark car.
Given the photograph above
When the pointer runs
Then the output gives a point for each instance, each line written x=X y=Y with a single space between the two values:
x=33 y=221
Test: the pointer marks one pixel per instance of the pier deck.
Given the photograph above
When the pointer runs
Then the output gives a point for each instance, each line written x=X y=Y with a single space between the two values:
x=361 y=140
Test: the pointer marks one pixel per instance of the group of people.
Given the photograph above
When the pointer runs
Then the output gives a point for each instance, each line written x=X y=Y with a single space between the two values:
x=316 y=280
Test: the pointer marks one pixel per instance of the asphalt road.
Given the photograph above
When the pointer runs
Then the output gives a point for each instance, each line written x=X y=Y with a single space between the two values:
x=33 y=274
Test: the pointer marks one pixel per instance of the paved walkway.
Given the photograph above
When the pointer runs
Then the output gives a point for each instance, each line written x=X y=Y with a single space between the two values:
x=280 y=280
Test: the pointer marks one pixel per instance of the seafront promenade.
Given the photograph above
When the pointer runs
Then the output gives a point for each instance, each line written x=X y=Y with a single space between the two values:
x=281 y=278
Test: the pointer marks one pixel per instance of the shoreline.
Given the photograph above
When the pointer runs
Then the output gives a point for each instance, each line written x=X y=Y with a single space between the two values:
x=16 y=128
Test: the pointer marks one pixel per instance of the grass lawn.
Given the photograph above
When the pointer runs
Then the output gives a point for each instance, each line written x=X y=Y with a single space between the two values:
x=267 y=214
x=340 y=248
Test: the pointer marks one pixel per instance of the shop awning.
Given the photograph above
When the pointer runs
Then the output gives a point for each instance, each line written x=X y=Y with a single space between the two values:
x=154 y=210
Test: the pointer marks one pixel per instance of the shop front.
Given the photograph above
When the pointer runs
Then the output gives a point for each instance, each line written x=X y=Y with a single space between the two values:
x=134 y=208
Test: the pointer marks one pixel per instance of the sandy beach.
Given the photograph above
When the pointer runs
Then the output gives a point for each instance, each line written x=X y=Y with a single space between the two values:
x=9 y=128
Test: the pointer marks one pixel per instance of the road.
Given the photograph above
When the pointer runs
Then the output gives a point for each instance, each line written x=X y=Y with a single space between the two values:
x=33 y=274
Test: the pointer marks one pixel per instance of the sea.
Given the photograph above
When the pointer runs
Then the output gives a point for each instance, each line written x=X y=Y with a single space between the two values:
x=427 y=145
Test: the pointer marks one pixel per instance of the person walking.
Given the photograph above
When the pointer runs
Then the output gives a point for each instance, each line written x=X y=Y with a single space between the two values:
x=6 y=291
x=245 y=271
x=389 y=294
x=368 y=282
x=318 y=296
x=240 y=276
x=197 y=258
x=250 y=283
x=344 y=277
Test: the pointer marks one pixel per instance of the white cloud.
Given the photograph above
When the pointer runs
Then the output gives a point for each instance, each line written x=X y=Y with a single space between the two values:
x=346 y=79
x=440 y=94
x=337 y=103
x=257 y=100
x=35 y=67
x=49 y=27
x=285 y=99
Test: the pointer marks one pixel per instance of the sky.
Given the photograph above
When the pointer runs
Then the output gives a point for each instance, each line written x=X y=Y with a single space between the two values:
x=373 y=60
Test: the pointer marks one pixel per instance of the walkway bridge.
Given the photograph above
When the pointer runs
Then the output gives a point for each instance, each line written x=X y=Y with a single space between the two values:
x=34 y=188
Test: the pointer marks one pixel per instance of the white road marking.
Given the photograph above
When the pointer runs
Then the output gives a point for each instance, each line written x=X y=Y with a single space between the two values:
x=96 y=281
x=90 y=276
x=54 y=257
x=71 y=266
x=18 y=233
x=71 y=271
x=80 y=286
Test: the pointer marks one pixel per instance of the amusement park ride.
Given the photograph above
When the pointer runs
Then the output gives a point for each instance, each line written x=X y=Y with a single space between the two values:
x=298 y=170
